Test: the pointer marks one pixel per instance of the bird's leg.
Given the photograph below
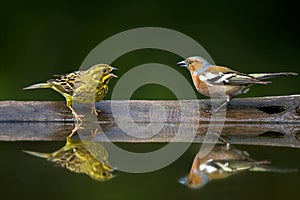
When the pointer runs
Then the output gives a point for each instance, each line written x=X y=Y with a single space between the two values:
x=76 y=116
x=223 y=140
x=94 y=109
x=222 y=105
x=77 y=126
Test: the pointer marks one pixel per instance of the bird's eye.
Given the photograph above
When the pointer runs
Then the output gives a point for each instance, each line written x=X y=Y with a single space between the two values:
x=104 y=70
x=189 y=61
x=104 y=173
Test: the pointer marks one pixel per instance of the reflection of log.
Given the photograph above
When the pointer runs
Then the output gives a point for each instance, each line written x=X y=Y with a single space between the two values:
x=264 y=121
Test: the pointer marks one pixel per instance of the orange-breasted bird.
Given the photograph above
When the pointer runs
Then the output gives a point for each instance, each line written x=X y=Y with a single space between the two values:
x=222 y=82
x=223 y=161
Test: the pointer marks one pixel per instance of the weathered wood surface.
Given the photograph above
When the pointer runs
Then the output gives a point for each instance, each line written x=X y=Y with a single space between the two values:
x=271 y=121
x=283 y=109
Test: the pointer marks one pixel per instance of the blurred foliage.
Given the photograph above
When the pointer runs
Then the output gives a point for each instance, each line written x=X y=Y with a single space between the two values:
x=40 y=39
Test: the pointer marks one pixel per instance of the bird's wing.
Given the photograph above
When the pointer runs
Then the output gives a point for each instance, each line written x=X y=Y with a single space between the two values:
x=242 y=79
x=65 y=83
x=217 y=75
x=97 y=150
x=227 y=166
x=70 y=159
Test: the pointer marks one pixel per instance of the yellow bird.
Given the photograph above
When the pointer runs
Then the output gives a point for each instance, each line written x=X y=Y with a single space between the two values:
x=75 y=157
x=83 y=87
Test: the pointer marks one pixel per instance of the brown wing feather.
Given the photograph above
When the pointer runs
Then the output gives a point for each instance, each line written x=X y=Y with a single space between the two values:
x=65 y=83
x=234 y=77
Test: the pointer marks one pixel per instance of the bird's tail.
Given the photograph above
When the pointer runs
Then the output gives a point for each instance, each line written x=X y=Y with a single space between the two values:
x=37 y=154
x=264 y=76
x=266 y=168
x=38 y=85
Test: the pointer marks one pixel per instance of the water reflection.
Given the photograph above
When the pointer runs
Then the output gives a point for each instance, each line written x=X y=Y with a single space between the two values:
x=223 y=161
x=75 y=157
x=85 y=155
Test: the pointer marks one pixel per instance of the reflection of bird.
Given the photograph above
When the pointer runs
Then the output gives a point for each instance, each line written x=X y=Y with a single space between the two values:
x=78 y=156
x=84 y=87
x=217 y=81
x=221 y=162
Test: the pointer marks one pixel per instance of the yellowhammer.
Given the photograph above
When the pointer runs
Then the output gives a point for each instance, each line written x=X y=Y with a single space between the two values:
x=78 y=156
x=83 y=87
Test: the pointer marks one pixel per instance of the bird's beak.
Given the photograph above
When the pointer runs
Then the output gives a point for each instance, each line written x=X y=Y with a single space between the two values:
x=113 y=75
x=114 y=176
x=113 y=68
x=182 y=180
x=182 y=63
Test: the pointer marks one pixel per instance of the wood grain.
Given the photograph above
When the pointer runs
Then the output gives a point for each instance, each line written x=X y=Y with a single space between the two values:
x=273 y=121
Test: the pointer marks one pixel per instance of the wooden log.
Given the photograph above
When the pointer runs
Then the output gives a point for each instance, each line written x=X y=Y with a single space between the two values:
x=282 y=109
x=271 y=121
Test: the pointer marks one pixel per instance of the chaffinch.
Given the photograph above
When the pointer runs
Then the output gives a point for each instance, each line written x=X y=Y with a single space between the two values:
x=222 y=82
x=221 y=162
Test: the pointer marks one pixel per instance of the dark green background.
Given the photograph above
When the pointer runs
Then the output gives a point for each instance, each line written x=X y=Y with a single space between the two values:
x=38 y=40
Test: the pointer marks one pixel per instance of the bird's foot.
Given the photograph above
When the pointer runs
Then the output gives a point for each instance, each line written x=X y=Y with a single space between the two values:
x=77 y=118
x=94 y=132
x=95 y=110
x=74 y=130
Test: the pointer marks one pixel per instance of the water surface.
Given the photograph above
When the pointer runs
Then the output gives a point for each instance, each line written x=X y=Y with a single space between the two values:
x=27 y=177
